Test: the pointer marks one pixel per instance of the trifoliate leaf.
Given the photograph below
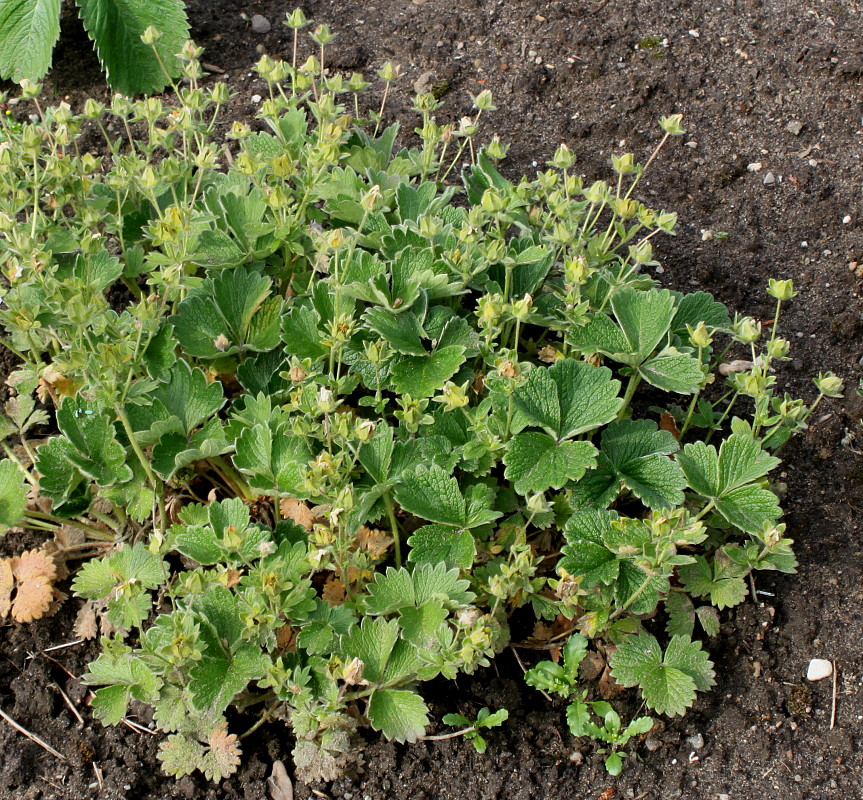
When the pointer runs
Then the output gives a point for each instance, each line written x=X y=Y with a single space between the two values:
x=399 y=714
x=635 y=452
x=722 y=581
x=673 y=371
x=175 y=451
x=644 y=317
x=130 y=565
x=568 y=398
x=95 y=450
x=115 y=28
x=126 y=676
x=273 y=459
x=422 y=376
x=216 y=679
x=398 y=589
x=536 y=462
x=402 y=332
x=668 y=683
x=232 y=312
x=13 y=495
x=740 y=460
x=433 y=544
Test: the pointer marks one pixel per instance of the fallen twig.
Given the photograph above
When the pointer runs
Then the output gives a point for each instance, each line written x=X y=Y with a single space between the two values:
x=68 y=702
x=833 y=703
x=32 y=736
x=524 y=669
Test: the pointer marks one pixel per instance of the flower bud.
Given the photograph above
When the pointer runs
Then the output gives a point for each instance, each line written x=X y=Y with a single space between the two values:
x=623 y=165
x=699 y=335
x=496 y=149
x=296 y=19
x=672 y=125
x=781 y=290
x=483 y=101
x=151 y=36
x=746 y=330
x=453 y=396
x=829 y=384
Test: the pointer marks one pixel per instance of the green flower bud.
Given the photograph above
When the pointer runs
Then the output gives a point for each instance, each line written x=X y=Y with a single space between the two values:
x=151 y=36
x=388 y=73
x=322 y=35
x=672 y=125
x=623 y=165
x=564 y=158
x=220 y=93
x=829 y=384
x=597 y=193
x=492 y=201
x=521 y=308
x=296 y=19
x=453 y=396
x=93 y=109
x=781 y=290
x=356 y=83
x=778 y=348
x=483 y=101
x=745 y=330
x=496 y=149
x=29 y=89
x=699 y=335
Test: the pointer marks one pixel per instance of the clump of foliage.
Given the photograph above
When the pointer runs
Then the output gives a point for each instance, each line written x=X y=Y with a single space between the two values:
x=341 y=428
x=133 y=63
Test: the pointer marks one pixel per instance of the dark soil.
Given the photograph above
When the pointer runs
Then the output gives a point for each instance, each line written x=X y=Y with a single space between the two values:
x=766 y=81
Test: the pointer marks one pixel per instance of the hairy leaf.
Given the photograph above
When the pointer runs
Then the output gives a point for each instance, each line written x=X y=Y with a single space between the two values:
x=29 y=29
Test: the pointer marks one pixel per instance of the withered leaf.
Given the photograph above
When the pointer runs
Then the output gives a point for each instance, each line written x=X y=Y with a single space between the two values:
x=86 y=626
x=297 y=511
x=374 y=541
x=34 y=573
x=7 y=581
x=334 y=592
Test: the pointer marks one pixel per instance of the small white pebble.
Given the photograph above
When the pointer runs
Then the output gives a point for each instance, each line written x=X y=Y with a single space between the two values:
x=256 y=98
x=755 y=166
x=694 y=33
x=804 y=244
x=846 y=219
x=819 y=668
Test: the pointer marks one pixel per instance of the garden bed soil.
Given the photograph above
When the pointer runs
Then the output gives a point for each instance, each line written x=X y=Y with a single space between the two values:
x=760 y=82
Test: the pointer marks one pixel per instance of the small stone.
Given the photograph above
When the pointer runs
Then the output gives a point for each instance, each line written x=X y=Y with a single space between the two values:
x=769 y=179
x=819 y=668
x=755 y=166
x=694 y=34
x=724 y=797
x=653 y=743
x=261 y=24
x=846 y=219
x=256 y=98
x=576 y=757
x=693 y=144
x=696 y=742
x=795 y=126
x=425 y=82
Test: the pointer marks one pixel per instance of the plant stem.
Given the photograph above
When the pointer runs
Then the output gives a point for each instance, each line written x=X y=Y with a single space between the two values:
x=634 y=380
x=394 y=525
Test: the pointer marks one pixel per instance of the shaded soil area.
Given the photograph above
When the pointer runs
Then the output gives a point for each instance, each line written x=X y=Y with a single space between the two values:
x=771 y=94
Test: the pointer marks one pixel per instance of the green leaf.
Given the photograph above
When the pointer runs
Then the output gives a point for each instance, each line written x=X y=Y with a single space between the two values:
x=110 y=704
x=635 y=451
x=433 y=495
x=29 y=29
x=422 y=376
x=722 y=581
x=668 y=683
x=232 y=312
x=399 y=589
x=644 y=317
x=536 y=462
x=115 y=26
x=698 y=307
x=402 y=331
x=750 y=507
x=673 y=371
x=273 y=459
x=372 y=642
x=299 y=331
x=13 y=495
x=180 y=755
x=133 y=566
x=399 y=714
x=95 y=451
x=681 y=614
x=569 y=398
x=585 y=553
x=742 y=460
x=433 y=544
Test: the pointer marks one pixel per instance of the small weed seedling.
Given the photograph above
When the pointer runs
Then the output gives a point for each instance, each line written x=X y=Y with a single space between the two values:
x=484 y=719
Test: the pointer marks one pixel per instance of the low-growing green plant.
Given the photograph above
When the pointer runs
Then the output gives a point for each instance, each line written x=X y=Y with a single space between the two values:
x=341 y=428
x=133 y=64
x=562 y=679
x=484 y=719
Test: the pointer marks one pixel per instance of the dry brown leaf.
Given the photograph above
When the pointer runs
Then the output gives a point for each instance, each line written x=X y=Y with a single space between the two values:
x=608 y=688
x=86 y=626
x=286 y=638
x=297 y=511
x=7 y=581
x=34 y=573
x=232 y=577
x=334 y=592
x=667 y=423
x=374 y=541
x=541 y=632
